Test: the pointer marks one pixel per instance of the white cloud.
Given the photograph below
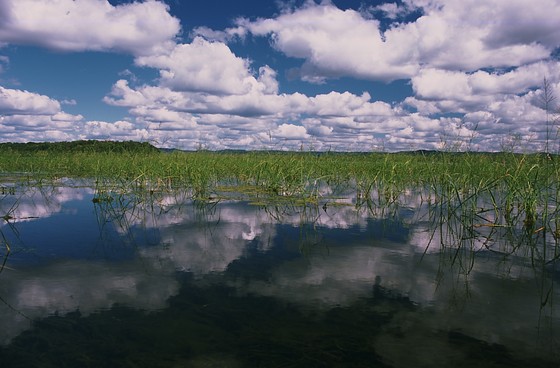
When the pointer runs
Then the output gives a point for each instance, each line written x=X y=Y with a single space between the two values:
x=518 y=22
x=221 y=36
x=62 y=116
x=258 y=117
x=160 y=115
x=26 y=117
x=120 y=130
x=202 y=66
x=454 y=35
x=253 y=103
x=267 y=80
x=15 y=101
x=209 y=67
x=291 y=131
x=341 y=121
x=432 y=84
x=484 y=94
x=35 y=125
x=517 y=81
x=78 y=25
x=317 y=128
x=391 y=10
x=334 y=43
x=348 y=104
x=69 y=102
x=473 y=68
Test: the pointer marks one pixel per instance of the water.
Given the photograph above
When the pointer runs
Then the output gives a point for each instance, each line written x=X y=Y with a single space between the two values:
x=160 y=280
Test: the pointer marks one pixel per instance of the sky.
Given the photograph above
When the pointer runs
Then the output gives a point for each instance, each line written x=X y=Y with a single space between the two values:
x=314 y=75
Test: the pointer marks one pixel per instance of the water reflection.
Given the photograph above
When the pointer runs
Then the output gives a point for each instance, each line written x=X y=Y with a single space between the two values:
x=73 y=251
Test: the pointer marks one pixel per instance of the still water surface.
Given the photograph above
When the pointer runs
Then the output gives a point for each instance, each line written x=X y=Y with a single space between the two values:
x=165 y=281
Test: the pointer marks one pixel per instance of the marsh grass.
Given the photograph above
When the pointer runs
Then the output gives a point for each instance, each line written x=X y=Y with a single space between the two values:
x=502 y=202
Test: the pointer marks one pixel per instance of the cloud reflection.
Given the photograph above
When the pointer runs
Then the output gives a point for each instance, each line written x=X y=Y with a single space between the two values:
x=337 y=255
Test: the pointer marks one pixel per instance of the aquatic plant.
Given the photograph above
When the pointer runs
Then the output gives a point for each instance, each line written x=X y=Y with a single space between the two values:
x=474 y=196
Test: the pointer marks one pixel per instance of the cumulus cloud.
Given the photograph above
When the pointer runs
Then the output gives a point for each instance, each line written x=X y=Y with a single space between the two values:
x=438 y=84
x=260 y=117
x=25 y=128
x=454 y=35
x=27 y=116
x=475 y=70
x=104 y=130
x=80 y=25
x=14 y=101
x=519 y=23
x=334 y=43
x=202 y=66
x=230 y=34
x=291 y=131
x=348 y=104
x=512 y=96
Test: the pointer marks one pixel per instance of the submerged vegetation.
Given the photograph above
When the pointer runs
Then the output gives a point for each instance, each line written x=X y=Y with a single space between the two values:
x=502 y=205
x=525 y=183
x=271 y=170
x=495 y=201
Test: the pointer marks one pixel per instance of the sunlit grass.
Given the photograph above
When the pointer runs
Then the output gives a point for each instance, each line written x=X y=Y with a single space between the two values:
x=519 y=190
x=503 y=203
x=294 y=173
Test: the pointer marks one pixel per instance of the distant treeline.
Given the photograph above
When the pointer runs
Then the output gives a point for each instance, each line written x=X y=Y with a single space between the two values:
x=81 y=146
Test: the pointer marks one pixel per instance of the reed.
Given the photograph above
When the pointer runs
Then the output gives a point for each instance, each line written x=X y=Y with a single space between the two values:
x=502 y=203
x=292 y=172
x=519 y=189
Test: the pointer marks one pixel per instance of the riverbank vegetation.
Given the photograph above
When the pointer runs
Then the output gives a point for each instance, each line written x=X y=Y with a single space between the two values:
x=504 y=203
x=520 y=188
x=530 y=179
x=271 y=169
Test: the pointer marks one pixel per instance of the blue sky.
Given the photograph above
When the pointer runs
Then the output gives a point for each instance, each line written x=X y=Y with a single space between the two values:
x=320 y=75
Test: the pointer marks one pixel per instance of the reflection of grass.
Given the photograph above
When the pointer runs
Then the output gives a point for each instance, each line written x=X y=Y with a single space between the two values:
x=511 y=195
x=7 y=251
x=521 y=187
x=505 y=203
x=6 y=219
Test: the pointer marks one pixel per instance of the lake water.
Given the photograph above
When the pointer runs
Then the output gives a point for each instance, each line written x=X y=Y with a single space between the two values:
x=161 y=280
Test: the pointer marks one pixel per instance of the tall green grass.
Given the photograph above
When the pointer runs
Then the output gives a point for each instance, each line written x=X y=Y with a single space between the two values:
x=520 y=190
x=503 y=203
x=295 y=172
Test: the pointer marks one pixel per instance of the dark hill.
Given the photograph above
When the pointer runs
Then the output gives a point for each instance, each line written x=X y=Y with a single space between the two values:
x=81 y=146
